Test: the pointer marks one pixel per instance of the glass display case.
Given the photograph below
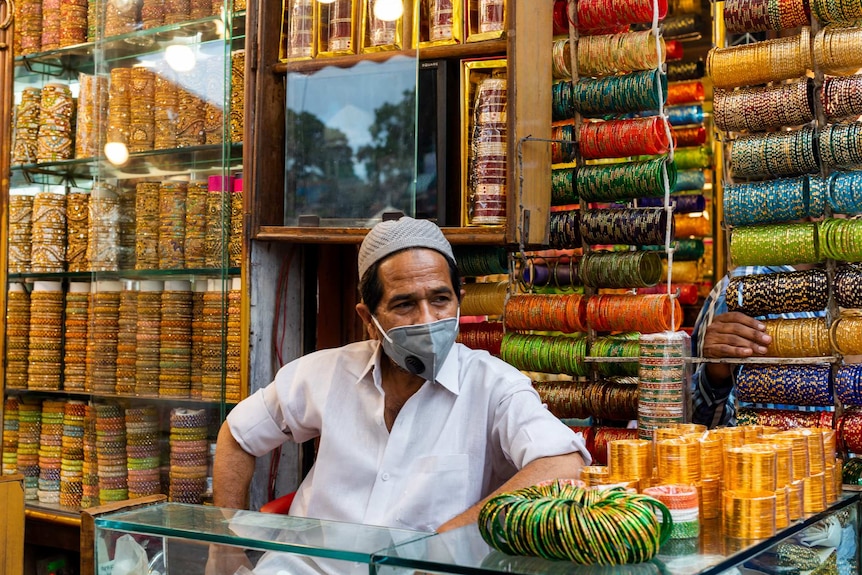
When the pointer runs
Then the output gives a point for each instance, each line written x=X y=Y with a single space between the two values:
x=124 y=255
x=176 y=538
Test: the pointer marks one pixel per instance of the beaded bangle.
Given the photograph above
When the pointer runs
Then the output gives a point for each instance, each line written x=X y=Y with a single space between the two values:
x=792 y=384
x=780 y=244
x=784 y=292
x=620 y=269
x=762 y=108
x=634 y=92
x=641 y=226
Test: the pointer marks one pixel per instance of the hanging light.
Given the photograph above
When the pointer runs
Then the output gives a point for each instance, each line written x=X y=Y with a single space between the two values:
x=117 y=153
x=180 y=57
x=388 y=10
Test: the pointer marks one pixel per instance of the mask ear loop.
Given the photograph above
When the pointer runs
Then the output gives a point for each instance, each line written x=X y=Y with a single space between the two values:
x=383 y=332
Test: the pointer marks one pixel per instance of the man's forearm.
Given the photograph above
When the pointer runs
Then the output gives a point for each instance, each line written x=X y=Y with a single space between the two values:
x=232 y=472
x=558 y=467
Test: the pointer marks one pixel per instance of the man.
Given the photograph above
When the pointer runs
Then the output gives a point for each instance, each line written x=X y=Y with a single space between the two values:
x=415 y=431
x=721 y=334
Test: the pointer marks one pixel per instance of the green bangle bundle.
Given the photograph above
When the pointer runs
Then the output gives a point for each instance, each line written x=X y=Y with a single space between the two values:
x=559 y=520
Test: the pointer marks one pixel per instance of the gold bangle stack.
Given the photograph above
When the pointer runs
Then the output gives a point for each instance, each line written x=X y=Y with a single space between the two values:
x=77 y=322
x=678 y=461
x=484 y=298
x=762 y=62
x=838 y=50
x=630 y=460
x=845 y=333
x=750 y=467
x=749 y=514
x=594 y=475
x=814 y=493
x=17 y=336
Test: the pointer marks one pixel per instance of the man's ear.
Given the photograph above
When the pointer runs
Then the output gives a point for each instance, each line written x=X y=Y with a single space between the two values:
x=365 y=315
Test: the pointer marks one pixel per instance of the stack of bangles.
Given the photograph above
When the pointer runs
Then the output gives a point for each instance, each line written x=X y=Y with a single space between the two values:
x=682 y=502
x=560 y=519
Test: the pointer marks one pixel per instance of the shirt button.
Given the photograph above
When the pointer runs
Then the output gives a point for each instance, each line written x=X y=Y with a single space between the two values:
x=385 y=477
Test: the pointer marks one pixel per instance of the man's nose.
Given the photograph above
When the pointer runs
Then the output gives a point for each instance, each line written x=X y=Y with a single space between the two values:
x=427 y=313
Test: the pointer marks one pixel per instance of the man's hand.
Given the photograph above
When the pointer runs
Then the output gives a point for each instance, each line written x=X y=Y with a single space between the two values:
x=732 y=334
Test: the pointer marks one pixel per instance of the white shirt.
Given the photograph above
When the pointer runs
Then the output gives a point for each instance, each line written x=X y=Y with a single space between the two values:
x=453 y=442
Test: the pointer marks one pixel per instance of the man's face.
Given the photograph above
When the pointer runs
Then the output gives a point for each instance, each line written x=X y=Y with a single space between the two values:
x=416 y=289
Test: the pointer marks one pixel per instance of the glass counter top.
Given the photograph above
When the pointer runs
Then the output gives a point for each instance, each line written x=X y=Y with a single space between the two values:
x=461 y=551
x=330 y=539
x=464 y=551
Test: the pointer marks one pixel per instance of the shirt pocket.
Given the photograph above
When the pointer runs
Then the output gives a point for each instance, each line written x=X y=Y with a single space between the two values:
x=438 y=488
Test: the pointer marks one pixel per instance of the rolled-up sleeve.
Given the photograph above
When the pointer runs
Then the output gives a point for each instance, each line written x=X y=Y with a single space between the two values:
x=534 y=431
x=255 y=422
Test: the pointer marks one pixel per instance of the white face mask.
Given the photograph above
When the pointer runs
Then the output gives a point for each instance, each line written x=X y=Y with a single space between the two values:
x=420 y=349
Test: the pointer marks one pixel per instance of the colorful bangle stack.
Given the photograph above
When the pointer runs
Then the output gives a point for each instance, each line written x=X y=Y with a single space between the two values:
x=803 y=337
x=784 y=292
x=142 y=451
x=624 y=138
x=639 y=226
x=620 y=269
x=77 y=230
x=172 y=224
x=45 y=358
x=610 y=54
x=645 y=314
x=17 y=336
x=624 y=345
x=102 y=336
x=766 y=202
x=563 y=313
x=784 y=418
x=690 y=136
x=72 y=454
x=599 y=15
x=762 y=62
x=661 y=380
x=29 y=424
x=142 y=94
x=199 y=287
x=848 y=384
x=845 y=192
x=558 y=520
x=689 y=180
x=681 y=71
x=742 y=16
x=686 y=293
x=48 y=239
x=848 y=281
x=166 y=111
x=112 y=467
x=626 y=180
x=841 y=239
x=237 y=96
x=175 y=339
x=189 y=448
x=484 y=298
x=484 y=335
x=127 y=339
x=608 y=399
x=76 y=324
x=474 y=261
x=91 y=122
x=690 y=250
x=634 y=92
x=90 y=468
x=50 y=451
x=682 y=502
x=835 y=49
x=218 y=220
x=214 y=128
x=761 y=108
x=190 y=118
x=213 y=328
x=233 y=349
x=149 y=321
x=545 y=354
x=557 y=273
x=789 y=384
x=839 y=97
x=57 y=109
x=780 y=244
x=147 y=223
x=10 y=436
x=840 y=145
x=19 y=237
x=103 y=235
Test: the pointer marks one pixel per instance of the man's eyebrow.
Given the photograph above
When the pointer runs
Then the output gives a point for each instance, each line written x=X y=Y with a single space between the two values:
x=399 y=297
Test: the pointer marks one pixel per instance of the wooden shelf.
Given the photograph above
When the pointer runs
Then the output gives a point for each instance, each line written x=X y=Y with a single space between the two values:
x=470 y=50
x=477 y=235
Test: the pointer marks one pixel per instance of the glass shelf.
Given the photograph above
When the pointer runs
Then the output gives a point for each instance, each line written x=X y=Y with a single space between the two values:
x=152 y=163
x=74 y=394
x=80 y=57
x=131 y=274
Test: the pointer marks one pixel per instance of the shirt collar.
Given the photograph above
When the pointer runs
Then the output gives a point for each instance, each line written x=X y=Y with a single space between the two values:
x=448 y=376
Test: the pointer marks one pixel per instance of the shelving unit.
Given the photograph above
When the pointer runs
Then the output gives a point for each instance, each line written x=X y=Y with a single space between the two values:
x=190 y=388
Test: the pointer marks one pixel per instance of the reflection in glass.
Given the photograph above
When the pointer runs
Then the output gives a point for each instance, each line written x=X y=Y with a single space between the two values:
x=351 y=141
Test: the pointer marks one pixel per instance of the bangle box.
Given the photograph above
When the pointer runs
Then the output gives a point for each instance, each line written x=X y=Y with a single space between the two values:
x=486 y=20
x=440 y=23
x=298 y=30
x=337 y=27
x=483 y=142
x=378 y=34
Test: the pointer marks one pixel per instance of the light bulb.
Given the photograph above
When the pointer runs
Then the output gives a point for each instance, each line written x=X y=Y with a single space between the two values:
x=388 y=10
x=117 y=153
x=180 y=57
